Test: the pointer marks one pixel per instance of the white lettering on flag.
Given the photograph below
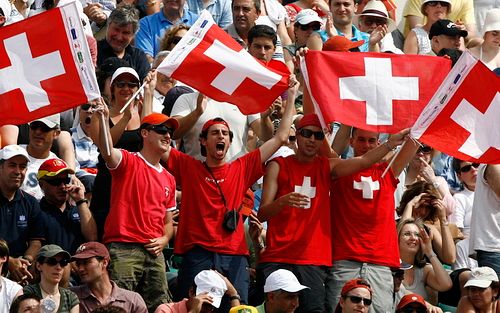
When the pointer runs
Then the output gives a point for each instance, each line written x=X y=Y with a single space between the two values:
x=378 y=88
x=238 y=66
x=479 y=126
x=26 y=72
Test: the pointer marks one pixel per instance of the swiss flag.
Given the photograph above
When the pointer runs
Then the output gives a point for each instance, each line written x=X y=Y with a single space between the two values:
x=373 y=91
x=463 y=117
x=209 y=60
x=45 y=66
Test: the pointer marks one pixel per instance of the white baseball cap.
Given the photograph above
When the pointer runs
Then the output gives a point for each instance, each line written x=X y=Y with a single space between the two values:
x=283 y=280
x=124 y=70
x=52 y=121
x=307 y=16
x=13 y=150
x=482 y=277
x=211 y=282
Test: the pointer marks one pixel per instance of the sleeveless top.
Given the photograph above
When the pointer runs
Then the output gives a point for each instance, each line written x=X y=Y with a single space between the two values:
x=418 y=285
x=423 y=41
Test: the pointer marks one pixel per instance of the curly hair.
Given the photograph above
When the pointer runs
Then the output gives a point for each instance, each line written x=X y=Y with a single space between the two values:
x=168 y=39
x=417 y=189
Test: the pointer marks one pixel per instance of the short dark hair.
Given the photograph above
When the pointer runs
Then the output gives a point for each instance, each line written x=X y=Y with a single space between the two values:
x=109 y=309
x=204 y=135
x=256 y=4
x=125 y=15
x=416 y=189
x=455 y=164
x=262 y=31
x=4 y=252
x=14 y=308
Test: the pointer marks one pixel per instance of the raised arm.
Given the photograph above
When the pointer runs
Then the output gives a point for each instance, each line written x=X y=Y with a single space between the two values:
x=113 y=159
x=492 y=176
x=187 y=122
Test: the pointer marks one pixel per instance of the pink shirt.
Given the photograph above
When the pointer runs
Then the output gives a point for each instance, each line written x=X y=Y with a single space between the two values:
x=176 y=307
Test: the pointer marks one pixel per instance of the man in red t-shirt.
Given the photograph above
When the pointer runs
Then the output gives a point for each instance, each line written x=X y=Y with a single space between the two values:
x=296 y=205
x=139 y=224
x=364 y=239
x=211 y=190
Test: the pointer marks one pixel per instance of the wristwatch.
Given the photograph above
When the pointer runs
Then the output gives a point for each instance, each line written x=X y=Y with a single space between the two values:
x=235 y=297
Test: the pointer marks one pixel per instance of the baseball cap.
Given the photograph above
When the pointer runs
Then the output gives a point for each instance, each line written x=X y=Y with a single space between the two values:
x=53 y=167
x=52 y=121
x=157 y=119
x=409 y=299
x=211 y=282
x=307 y=16
x=214 y=121
x=376 y=8
x=309 y=119
x=446 y=27
x=243 y=309
x=283 y=280
x=482 y=277
x=492 y=20
x=11 y=151
x=124 y=70
x=355 y=283
x=111 y=64
x=341 y=44
x=49 y=251
x=89 y=250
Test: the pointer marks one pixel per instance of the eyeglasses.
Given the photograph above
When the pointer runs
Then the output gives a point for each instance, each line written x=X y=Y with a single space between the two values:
x=87 y=106
x=413 y=309
x=54 y=262
x=175 y=40
x=122 y=84
x=161 y=129
x=39 y=125
x=411 y=234
x=467 y=168
x=435 y=3
x=307 y=133
x=313 y=26
x=356 y=299
x=292 y=138
x=424 y=150
x=370 y=20
x=58 y=181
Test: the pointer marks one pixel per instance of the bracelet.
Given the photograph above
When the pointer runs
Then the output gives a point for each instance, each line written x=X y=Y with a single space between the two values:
x=235 y=297
x=436 y=184
x=444 y=223
x=79 y=202
x=433 y=255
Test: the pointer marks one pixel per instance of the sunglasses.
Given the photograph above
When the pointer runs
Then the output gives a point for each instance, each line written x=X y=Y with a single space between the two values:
x=467 y=168
x=39 y=125
x=307 y=133
x=54 y=262
x=162 y=129
x=435 y=3
x=356 y=299
x=424 y=150
x=292 y=138
x=367 y=20
x=87 y=106
x=58 y=181
x=122 y=84
x=412 y=309
x=313 y=26
x=175 y=40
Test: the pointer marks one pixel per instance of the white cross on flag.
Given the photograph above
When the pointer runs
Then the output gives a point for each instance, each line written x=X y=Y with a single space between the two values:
x=463 y=117
x=209 y=60
x=45 y=66
x=381 y=92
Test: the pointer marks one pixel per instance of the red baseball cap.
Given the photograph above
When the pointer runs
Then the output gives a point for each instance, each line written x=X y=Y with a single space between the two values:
x=350 y=285
x=341 y=44
x=52 y=167
x=409 y=299
x=158 y=118
x=310 y=119
x=89 y=250
x=214 y=121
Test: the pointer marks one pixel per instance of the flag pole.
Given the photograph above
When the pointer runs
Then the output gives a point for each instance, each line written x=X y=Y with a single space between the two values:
x=133 y=97
x=393 y=159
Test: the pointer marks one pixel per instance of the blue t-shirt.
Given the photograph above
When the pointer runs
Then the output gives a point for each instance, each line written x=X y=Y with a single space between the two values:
x=357 y=35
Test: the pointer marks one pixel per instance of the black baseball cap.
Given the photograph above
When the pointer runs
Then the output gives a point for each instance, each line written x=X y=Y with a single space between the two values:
x=446 y=27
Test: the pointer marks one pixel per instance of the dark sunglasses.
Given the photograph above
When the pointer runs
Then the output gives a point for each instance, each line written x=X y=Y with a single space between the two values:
x=87 y=106
x=161 y=129
x=54 y=262
x=435 y=3
x=467 y=168
x=175 y=40
x=122 y=84
x=356 y=299
x=425 y=150
x=367 y=20
x=39 y=125
x=292 y=138
x=58 y=181
x=313 y=26
x=307 y=133
x=413 y=309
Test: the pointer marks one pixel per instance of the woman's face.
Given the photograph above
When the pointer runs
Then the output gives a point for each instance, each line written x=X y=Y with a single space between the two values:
x=124 y=86
x=468 y=174
x=423 y=153
x=303 y=32
x=177 y=37
x=436 y=10
x=51 y=269
x=492 y=38
x=481 y=297
x=409 y=238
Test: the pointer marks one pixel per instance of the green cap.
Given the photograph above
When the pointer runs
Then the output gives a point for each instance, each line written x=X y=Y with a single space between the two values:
x=49 y=251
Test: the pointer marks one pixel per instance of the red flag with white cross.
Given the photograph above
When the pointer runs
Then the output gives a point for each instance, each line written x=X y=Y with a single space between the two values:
x=381 y=92
x=463 y=117
x=209 y=60
x=45 y=66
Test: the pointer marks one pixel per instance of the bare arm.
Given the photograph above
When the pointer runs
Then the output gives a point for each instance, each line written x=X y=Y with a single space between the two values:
x=443 y=242
x=155 y=246
x=66 y=148
x=341 y=140
x=414 y=20
x=492 y=176
x=437 y=277
x=465 y=306
x=411 y=44
x=263 y=128
x=113 y=159
x=187 y=122
x=75 y=309
x=149 y=88
x=88 y=226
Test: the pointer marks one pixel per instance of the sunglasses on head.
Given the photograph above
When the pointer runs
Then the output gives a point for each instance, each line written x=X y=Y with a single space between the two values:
x=54 y=262
x=467 y=168
x=435 y=3
x=370 y=20
x=175 y=40
x=356 y=299
x=413 y=309
x=161 y=129
x=122 y=84
x=425 y=150
x=39 y=125
x=313 y=26
x=87 y=106
x=307 y=133
x=58 y=181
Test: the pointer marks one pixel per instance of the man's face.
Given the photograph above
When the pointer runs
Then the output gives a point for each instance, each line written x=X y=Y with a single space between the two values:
x=350 y=303
x=262 y=48
x=86 y=111
x=342 y=11
x=173 y=5
x=91 y=270
x=368 y=23
x=307 y=142
x=119 y=37
x=158 y=137
x=55 y=188
x=283 y=302
x=12 y=172
x=244 y=15
x=445 y=41
x=217 y=142
x=41 y=136
x=364 y=141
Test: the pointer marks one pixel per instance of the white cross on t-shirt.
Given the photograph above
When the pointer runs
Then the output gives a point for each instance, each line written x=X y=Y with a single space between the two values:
x=367 y=185
x=307 y=190
x=26 y=72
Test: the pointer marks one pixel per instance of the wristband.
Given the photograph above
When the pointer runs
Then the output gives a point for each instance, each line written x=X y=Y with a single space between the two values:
x=432 y=255
x=235 y=297
x=436 y=184
x=79 y=202
x=444 y=223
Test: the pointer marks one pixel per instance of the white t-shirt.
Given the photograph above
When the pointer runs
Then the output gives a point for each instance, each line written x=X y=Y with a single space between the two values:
x=30 y=184
x=8 y=290
x=463 y=210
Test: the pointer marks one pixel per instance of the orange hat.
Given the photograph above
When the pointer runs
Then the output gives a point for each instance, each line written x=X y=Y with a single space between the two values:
x=341 y=44
x=411 y=298
x=157 y=119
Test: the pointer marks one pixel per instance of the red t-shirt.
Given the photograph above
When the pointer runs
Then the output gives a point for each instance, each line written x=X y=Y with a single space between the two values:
x=363 y=224
x=301 y=235
x=202 y=209
x=140 y=197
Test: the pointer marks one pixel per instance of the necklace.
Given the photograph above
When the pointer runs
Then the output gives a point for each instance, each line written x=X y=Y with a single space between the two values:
x=48 y=302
